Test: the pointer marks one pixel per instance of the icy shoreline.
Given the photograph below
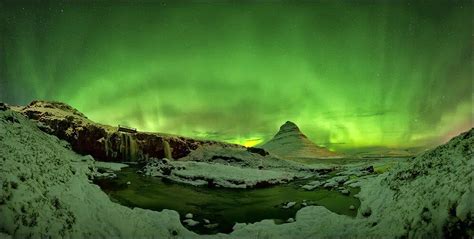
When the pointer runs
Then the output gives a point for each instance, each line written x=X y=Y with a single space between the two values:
x=231 y=168
x=46 y=191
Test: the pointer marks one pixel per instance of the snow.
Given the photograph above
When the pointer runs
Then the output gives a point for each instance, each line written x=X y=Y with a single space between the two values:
x=289 y=205
x=413 y=200
x=110 y=165
x=243 y=158
x=345 y=191
x=220 y=175
x=51 y=110
x=312 y=185
x=230 y=167
x=191 y=222
x=46 y=192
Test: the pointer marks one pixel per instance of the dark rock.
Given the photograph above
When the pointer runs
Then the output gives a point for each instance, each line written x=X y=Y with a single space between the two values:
x=11 y=119
x=226 y=158
x=369 y=169
x=255 y=150
x=366 y=212
x=4 y=106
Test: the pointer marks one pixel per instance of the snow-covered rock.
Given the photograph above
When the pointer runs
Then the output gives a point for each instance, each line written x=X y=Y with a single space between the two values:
x=218 y=175
x=289 y=205
x=312 y=185
x=345 y=191
x=191 y=222
x=330 y=184
x=215 y=165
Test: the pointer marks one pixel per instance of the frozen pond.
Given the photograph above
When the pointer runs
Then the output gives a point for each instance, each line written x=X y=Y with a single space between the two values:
x=220 y=206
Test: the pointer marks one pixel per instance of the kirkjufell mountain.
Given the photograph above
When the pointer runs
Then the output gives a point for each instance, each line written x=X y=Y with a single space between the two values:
x=290 y=142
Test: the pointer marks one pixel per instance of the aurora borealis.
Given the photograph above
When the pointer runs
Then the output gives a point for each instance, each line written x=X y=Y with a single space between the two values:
x=351 y=74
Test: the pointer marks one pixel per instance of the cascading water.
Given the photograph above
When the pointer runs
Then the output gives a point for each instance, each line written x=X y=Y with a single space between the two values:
x=126 y=148
x=167 y=149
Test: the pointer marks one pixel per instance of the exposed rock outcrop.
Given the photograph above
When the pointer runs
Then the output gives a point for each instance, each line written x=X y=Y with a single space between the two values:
x=290 y=142
x=106 y=142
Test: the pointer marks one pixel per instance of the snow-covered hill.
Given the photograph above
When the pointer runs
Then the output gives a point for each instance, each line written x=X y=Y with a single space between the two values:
x=290 y=142
x=46 y=192
x=430 y=197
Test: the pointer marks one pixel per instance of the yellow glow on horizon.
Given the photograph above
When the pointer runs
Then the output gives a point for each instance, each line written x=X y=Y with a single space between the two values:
x=247 y=142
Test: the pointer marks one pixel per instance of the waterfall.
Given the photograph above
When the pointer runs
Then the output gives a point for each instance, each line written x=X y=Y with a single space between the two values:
x=107 y=145
x=133 y=148
x=128 y=147
x=167 y=149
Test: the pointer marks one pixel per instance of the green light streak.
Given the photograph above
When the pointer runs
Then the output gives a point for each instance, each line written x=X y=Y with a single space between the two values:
x=350 y=75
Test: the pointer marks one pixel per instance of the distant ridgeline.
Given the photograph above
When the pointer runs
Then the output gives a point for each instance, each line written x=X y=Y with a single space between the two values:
x=104 y=142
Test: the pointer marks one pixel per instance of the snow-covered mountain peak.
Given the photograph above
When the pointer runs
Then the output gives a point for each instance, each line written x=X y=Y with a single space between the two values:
x=289 y=126
x=290 y=142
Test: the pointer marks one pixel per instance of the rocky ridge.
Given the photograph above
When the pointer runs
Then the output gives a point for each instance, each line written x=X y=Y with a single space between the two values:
x=105 y=142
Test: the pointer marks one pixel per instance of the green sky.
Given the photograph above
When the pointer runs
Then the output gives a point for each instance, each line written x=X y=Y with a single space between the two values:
x=350 y=74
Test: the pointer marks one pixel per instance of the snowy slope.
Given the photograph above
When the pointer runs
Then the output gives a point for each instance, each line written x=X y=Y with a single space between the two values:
x=430 y=197
x=46 y=192
x=290 y=142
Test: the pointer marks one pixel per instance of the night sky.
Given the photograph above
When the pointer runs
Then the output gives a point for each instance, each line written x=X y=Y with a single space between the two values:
x=350 y=74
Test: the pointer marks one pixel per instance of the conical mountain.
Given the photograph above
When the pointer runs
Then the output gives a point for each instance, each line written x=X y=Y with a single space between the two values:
x=290 y=142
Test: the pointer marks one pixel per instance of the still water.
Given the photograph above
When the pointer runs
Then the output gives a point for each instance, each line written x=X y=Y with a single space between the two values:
x=221 y=206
